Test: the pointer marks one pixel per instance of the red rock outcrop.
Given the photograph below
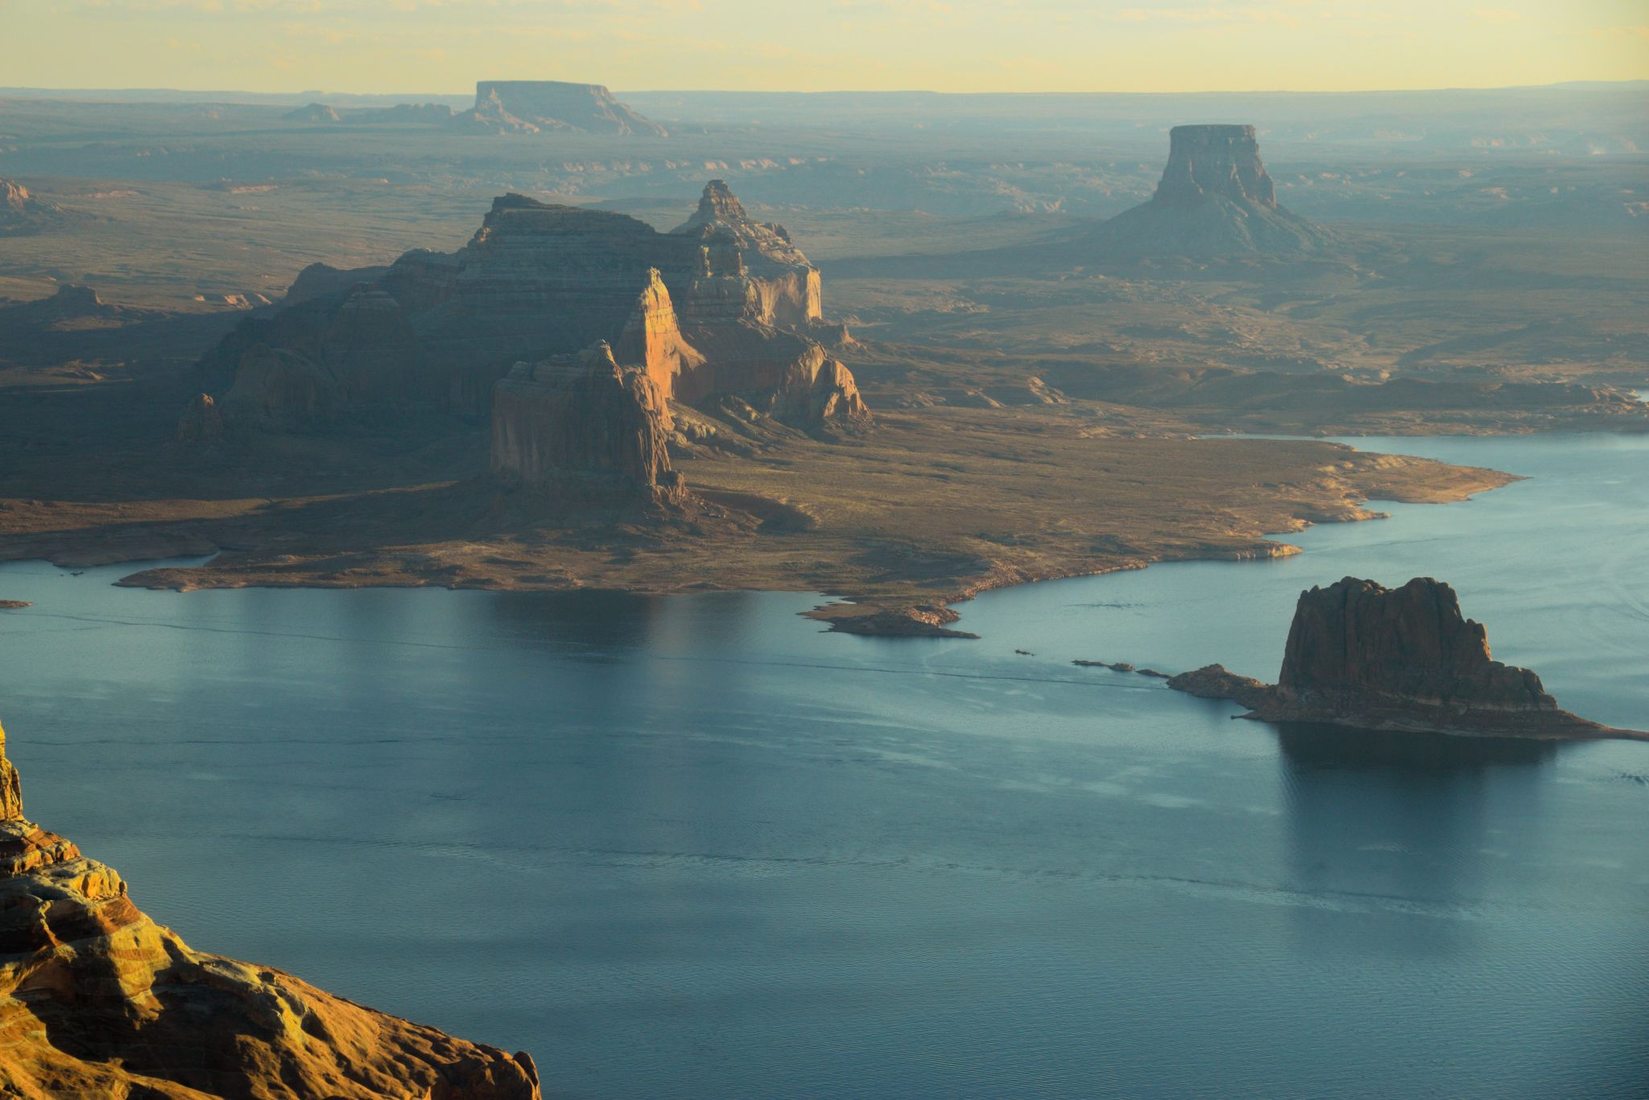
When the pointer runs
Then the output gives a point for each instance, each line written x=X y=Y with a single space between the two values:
x=584 y=427
x=1215 y=200
x=721 y=307
x=786 y=289
x=529 y=106
x=97 y=1000
x=1363 y=655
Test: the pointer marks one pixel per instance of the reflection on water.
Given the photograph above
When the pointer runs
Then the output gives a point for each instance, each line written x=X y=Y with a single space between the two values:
x=1404 y=816
x=694 y=846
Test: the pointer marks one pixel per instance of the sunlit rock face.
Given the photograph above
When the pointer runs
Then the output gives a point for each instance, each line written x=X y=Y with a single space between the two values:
x=97 y=1000
x=530 y=106
x=584 y=427
x=720 y=307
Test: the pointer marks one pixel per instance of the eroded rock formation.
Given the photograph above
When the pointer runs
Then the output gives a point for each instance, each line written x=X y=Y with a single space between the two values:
x=23 y=212
x=1214 y=161
x=529 y=106
x=1363 y=655
x=1215 y=199
x=722 y=307
x=1356 y=647
x=98 y=1000
x=582 y=426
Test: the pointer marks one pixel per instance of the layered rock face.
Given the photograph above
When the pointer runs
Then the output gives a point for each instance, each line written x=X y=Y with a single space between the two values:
x=722 y=306
x=787 y=289
x=1215 y=200
x=1370 y=657
x=1210 y=161
x=584 y=427
x=1357 y=646
x=98 y=1000
x=529 y=106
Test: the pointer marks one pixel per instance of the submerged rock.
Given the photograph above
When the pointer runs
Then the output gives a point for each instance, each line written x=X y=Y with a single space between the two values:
x=96 y=999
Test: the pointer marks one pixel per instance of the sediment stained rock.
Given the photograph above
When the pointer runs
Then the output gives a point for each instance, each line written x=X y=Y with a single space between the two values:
x=98 y=1000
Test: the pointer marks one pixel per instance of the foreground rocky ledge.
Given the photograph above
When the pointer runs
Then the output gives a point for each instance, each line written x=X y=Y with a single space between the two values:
x=97 y=1000
x=1369 y=657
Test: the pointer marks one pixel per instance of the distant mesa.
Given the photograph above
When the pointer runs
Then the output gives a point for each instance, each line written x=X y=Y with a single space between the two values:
x=532 y=106
x=1215 y=200
x=723 y=314
x=314 y=112
x=1369 y=657
x=96 y=999
x=408 y=114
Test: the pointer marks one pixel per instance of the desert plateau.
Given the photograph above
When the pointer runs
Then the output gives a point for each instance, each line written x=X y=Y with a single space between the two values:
x=563 y=524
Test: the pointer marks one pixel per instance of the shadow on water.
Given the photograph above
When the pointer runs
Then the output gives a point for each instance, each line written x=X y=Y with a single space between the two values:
x=1409 y=822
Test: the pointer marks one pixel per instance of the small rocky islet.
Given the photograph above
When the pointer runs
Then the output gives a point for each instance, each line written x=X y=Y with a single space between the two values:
x=1404 y=659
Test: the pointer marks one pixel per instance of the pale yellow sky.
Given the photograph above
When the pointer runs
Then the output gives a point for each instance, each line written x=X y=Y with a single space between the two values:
x=943 y=45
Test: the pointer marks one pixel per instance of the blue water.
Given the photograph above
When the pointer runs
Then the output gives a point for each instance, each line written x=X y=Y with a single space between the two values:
x=694 y=847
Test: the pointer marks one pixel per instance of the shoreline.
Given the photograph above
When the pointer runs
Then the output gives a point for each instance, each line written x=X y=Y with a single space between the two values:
x=841 y=611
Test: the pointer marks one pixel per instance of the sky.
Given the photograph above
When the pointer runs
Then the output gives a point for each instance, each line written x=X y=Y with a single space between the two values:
x=444 y=46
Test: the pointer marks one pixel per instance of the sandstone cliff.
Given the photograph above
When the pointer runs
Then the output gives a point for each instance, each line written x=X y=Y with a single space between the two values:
x=1362 y=655
x=97 y=1000
x=721 y=307
x=1215 y=200
x=582 y=426
x=530 y=106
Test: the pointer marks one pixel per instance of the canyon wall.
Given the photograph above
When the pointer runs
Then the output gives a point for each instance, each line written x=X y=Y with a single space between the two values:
x=721 y=306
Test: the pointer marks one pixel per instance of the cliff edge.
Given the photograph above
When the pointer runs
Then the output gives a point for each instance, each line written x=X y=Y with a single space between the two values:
x=96 y=999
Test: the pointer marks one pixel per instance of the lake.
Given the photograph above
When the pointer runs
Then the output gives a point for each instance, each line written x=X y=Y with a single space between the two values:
x=695 y=847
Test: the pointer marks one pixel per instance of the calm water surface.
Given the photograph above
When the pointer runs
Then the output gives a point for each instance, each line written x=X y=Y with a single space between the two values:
x=693 y=847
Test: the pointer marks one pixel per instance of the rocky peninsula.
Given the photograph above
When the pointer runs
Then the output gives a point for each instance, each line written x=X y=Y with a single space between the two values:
x=1370 y=657
x=96 y=999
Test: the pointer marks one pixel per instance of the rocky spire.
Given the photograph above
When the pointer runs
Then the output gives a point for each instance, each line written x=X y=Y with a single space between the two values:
x=719 y=204
x=1213 y=160
x=11 y=786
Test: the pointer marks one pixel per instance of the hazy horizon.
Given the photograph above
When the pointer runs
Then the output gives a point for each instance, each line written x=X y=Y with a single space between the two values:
x=376 y=47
